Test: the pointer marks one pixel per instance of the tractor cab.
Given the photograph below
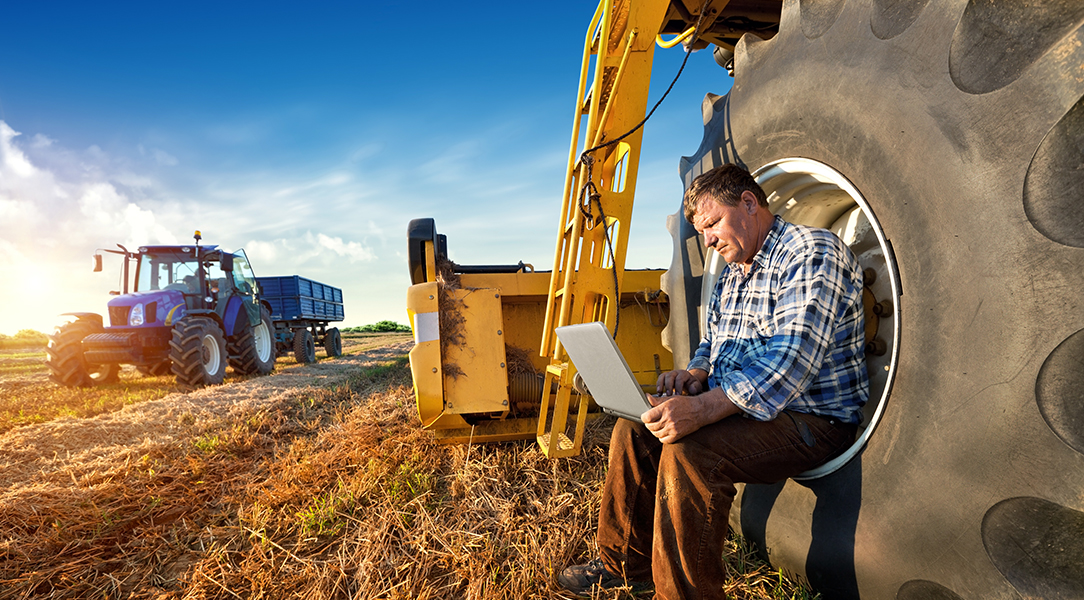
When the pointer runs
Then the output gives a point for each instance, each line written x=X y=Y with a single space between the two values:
x=204 y=282
x=179 y=269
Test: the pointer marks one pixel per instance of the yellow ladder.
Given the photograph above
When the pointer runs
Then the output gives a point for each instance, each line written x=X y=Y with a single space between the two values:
x=589 y=260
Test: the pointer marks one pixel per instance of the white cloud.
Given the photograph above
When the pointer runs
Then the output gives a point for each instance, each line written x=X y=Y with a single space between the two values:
x=165 y=158
x=9 y=254
x=341 y=222
x=40 y=141
x=56 y=207
x=352 y=250
x=12 y=160
x=264 y=251
x=332 y=180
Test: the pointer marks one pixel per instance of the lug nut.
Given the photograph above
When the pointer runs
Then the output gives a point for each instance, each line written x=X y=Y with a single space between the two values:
x=876 y=347
x=883 y=308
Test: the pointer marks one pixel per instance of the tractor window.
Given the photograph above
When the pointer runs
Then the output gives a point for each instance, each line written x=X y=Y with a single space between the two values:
x=167 y=272
x=243 y=276
x=153 y=275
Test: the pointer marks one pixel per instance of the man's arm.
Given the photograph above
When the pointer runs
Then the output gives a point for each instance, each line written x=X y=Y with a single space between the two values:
x=674 y=417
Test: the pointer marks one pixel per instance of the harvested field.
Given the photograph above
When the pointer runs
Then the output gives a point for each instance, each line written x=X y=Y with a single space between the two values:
x=315 y=482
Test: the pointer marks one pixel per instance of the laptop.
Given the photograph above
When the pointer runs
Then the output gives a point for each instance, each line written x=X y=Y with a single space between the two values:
x=603 y=369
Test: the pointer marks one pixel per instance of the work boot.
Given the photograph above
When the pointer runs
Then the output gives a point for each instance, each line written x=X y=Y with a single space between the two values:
x=582 y=579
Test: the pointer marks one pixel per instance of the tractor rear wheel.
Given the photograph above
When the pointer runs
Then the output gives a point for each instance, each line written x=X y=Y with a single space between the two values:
x=253 y=350
x=304 y=346
x=198 y=352
x=65 y=357
x=333 y=342
x=966 y=147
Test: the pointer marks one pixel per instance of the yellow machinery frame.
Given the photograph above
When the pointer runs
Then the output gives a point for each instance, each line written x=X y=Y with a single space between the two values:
x=589 y=260
x=462 y=389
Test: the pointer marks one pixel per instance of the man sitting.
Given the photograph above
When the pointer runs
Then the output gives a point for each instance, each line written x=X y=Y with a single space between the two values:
x=774 y=389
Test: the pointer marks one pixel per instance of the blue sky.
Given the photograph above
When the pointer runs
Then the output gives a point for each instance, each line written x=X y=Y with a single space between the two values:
x=310 y=136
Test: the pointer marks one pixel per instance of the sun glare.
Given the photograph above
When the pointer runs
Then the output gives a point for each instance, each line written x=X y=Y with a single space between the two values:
x=42 y=292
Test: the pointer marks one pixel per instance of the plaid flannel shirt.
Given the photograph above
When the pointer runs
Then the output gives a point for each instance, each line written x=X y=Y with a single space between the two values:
x=790 y=333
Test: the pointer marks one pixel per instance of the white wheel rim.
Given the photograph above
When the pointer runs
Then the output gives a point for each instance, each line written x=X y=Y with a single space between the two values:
x=98 y=372
x=812 y=193
x=262 y=340
x=212 y=357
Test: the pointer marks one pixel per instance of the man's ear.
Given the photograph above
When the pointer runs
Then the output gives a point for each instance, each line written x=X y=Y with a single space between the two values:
x=749 y=201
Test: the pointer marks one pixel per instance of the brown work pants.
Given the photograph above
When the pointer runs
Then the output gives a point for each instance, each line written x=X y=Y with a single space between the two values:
x=666 y=507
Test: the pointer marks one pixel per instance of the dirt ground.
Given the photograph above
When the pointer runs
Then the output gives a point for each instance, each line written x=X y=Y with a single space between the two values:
x=31 y=454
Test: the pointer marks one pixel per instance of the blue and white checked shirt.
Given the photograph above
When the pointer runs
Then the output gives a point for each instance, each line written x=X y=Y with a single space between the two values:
x=790 y=334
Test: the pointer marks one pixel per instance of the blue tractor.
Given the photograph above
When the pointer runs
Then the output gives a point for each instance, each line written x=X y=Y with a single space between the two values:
x=191 y=311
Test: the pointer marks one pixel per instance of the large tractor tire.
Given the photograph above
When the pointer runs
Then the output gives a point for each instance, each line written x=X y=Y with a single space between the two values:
x=333 y=343
x=198 y=352
x=252 y=351
x=304 y=346
x=956 y=130
x=65 y=357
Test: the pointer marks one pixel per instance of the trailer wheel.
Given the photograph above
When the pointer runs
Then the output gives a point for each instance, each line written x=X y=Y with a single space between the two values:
x=333 y=342
x=65 y=357
x=252 y=351
x=156 y=370
x=966 y=146
x=304 y=346
x=198 y=352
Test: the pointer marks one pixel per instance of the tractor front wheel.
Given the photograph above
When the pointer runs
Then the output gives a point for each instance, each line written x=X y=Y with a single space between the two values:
x=65 y=357
x=304 y=346
x=252 y=351
x=198 y=352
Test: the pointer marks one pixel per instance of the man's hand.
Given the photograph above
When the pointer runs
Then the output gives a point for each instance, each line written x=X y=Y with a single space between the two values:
x=674 y=417
x=678 y=382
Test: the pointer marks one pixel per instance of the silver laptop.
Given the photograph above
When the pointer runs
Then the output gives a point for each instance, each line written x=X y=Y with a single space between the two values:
x=603 y=369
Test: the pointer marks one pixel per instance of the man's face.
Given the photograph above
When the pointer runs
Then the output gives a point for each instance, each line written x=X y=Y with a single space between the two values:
x=731 y=230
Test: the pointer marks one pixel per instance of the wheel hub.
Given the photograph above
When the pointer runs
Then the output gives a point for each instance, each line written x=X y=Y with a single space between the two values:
x=808 y=192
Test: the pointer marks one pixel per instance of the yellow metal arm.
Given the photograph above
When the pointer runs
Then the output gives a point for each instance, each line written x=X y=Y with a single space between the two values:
x=592 y=238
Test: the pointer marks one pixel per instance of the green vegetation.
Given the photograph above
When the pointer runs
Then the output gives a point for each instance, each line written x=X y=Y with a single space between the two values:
x=27 y=396
x=26 y=338
x=381 y=327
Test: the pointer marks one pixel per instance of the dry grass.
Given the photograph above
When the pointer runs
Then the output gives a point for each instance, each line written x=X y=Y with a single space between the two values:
x=27 y=396
x=299 y=490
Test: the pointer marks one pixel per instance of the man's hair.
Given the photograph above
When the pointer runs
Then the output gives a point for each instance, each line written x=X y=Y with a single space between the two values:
x=725 y=185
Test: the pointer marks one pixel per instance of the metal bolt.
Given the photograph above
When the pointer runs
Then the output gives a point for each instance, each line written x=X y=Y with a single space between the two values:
x=499 y=332
x=883 y=308
x=505 y=403
x=434 y=369
x=869 y=276
x=430 y=296
x=502 y=365
x=496 y=295
x=876 y=347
